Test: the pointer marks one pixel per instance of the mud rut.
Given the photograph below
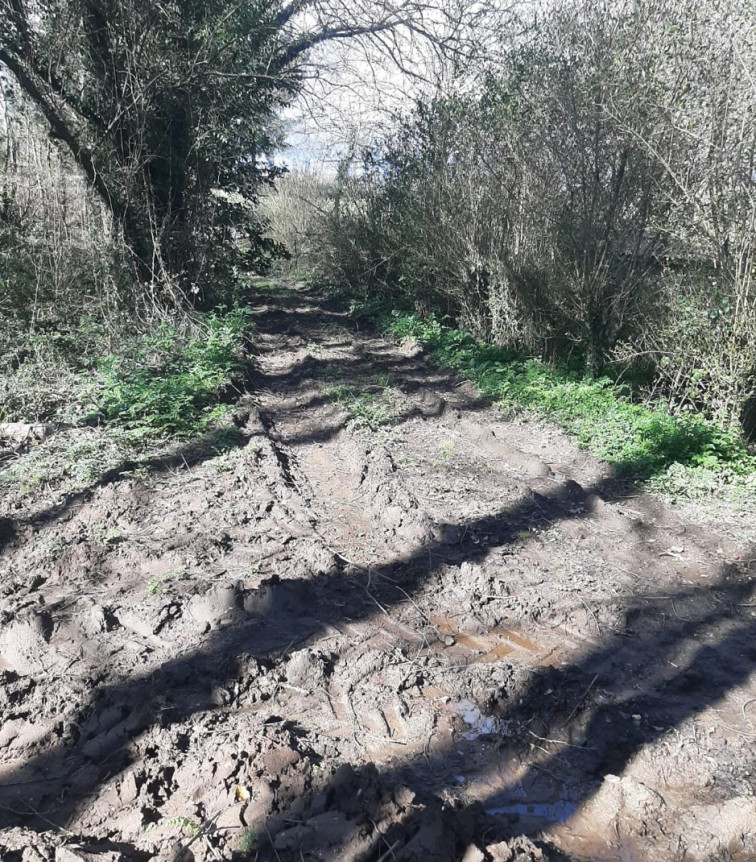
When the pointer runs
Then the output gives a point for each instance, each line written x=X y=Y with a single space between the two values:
x=453 y=637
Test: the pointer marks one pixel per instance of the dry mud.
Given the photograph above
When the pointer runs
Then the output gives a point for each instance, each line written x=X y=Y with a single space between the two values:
x=453 y=638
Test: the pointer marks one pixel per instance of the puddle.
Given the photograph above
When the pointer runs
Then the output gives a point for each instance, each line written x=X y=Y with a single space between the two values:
x=478 y=724
x=582 y=833
x=549 y=812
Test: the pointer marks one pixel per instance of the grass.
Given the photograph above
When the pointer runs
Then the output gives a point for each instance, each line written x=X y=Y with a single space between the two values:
x=275 y=291
x=445 y=452
x=125 y=396
x=685 y=454
x=172 y=382
x=368 y=410
x=167 y=381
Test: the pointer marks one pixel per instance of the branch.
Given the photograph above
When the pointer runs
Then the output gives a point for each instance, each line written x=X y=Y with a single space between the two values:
x=59 y=125
x=301 y=46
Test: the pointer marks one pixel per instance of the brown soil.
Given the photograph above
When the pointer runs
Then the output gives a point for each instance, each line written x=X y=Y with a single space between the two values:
x=456 y=637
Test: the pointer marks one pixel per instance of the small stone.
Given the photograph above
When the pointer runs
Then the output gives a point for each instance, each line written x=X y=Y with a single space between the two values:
x=258 y=810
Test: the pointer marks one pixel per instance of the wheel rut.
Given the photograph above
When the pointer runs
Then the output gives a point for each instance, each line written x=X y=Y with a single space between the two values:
x=391 y=623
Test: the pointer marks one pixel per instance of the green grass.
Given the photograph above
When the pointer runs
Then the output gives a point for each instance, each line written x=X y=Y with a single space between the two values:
x=369 y=410
x=168 y=380
x=275 y=291
x=171 y=383
x=683 y=453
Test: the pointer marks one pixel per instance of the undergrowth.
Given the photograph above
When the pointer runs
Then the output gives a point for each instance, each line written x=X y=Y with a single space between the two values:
x=169 y=380
x=367 y=409
x=684 y=454
x=172 y=382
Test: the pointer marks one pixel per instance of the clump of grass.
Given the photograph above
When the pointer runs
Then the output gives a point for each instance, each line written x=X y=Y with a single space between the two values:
x=172 y=382
x=644 y=440
x=369 y=410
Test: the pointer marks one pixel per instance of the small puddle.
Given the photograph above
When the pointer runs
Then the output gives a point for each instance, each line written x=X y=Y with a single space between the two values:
x=478 y=724
x=549 y=812
x=568 y=825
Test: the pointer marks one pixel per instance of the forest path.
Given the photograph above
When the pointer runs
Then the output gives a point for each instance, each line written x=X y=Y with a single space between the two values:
x=392 y=623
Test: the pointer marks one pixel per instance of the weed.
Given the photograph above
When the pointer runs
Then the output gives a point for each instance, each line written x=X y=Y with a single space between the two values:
x=405 y=460
x=184 y=824
x=445 y=452
x=642 y=440
x=114 y=537
x=156 y=582
x=247 y=841
x=172 y=384
x=367 y=410
x=55 y=547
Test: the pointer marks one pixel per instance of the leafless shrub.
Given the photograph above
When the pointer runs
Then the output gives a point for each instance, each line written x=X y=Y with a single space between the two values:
x=592 y=196
x=296 y=211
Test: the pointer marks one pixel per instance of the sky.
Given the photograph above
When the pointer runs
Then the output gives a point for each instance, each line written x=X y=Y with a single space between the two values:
x=355 y=89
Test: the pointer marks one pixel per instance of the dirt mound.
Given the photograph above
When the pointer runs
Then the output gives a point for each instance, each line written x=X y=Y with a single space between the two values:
x=388 y=623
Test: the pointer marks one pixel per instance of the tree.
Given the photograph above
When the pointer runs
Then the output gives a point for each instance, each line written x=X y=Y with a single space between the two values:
x=166 y=107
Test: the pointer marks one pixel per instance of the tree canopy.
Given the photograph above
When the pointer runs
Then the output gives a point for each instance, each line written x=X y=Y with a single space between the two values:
x=167 y=108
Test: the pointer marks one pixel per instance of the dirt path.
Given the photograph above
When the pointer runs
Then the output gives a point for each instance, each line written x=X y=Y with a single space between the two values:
x=390 y=624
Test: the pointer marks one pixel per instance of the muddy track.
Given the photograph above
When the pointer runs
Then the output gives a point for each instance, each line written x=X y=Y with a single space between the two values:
x=391 y=624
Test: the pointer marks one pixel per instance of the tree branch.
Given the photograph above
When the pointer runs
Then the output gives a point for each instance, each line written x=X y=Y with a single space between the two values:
x=59 y=125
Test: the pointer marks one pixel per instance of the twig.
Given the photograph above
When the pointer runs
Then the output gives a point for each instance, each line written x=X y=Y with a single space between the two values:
x=50 y=822
x=747 y=703
x=178 y=853
x=555 y=741
x=580 y=700
x=389 y=852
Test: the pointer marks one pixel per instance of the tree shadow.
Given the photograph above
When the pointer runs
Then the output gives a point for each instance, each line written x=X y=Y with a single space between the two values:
x=589 y=718
x=179 y=456
x=687 y=660
x=299 y=611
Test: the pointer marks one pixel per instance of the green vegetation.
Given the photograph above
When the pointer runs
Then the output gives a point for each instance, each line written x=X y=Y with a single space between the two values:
x=172 y=383
x=367 y=409
x=681 y=452
x=185 y=825
x=247 y=841
x=156 y=583
x=167 y=380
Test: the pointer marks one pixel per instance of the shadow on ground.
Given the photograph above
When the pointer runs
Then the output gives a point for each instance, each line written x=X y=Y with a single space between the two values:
x=656 y=671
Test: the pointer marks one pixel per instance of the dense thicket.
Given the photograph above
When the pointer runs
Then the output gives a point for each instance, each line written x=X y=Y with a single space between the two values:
x=165 y=109
x=592 y=198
